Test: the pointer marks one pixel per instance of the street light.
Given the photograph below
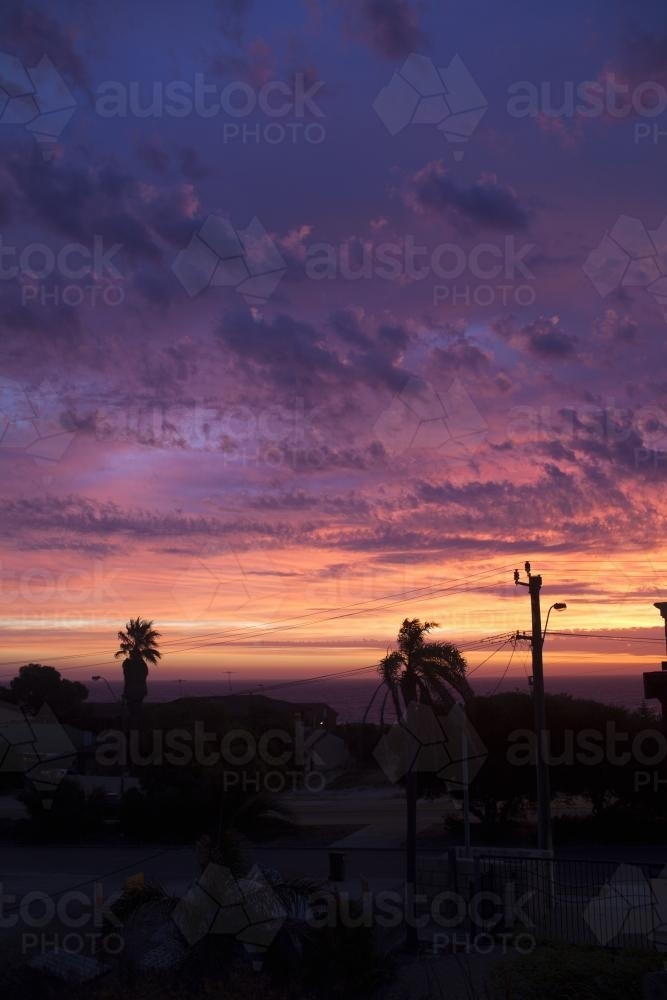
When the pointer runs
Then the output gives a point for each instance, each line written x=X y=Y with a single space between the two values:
x=98 y=677
x=559 y=606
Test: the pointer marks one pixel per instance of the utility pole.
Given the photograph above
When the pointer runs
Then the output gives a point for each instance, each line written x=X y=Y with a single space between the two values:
x=655 y=681
x=534 y=584
x=662 y=608
x=229 y=678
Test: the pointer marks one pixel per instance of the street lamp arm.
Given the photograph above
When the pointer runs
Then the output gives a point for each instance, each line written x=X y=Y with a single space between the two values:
x=98 y=677
x=559 y=606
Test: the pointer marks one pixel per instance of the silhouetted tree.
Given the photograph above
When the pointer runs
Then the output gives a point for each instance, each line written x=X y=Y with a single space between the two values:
x=420 y=671
x=36 y=685
x=139 y=645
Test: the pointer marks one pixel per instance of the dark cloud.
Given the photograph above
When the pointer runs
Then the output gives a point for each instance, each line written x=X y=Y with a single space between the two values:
x=191 y=164
x=461 y=353
x=301 y=501
x=345 y=323
x=151 y=152
x=547 y=339
x=31 y=34
x=41 y=309
x=232 y=17
x=642 y=57
x=484 y=204
x=289 y=352
x=82 y=203
x=543 y=337
x=57 y=518
x=389 y=27
x=615 y=327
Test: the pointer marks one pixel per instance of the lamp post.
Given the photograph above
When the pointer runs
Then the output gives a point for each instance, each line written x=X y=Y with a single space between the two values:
x=559 y=606
x=98 y=677
x=119 y=701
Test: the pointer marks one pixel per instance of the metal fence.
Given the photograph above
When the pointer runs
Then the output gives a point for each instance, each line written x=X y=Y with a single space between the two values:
x=570 y=901
x=581 y=901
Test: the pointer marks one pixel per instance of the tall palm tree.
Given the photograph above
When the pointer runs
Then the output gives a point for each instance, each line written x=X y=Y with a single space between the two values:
x=419 y=670
x=139 y=644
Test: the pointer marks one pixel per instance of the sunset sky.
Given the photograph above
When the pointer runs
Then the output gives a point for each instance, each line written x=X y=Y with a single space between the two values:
x=434 y=355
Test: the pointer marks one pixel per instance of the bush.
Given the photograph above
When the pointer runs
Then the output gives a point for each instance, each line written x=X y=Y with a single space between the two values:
x=72 y=815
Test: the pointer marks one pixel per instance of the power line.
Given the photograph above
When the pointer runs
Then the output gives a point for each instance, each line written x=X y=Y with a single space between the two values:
x=506 y=637
x=415 y=592
x=611 y=638
x=300 y=622
x=509 y=663
x=490 y=656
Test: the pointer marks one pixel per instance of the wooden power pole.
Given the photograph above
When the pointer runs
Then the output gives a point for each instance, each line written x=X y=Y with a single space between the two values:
x=544 y=836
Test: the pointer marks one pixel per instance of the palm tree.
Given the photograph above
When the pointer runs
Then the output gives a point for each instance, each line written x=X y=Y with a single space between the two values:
x=139 y=645
x=419 y=670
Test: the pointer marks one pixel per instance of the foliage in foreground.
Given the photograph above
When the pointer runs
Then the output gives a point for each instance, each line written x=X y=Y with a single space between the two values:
x=553 y=972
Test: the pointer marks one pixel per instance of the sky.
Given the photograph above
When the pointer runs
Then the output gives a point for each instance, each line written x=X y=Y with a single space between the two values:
x=317 y=315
